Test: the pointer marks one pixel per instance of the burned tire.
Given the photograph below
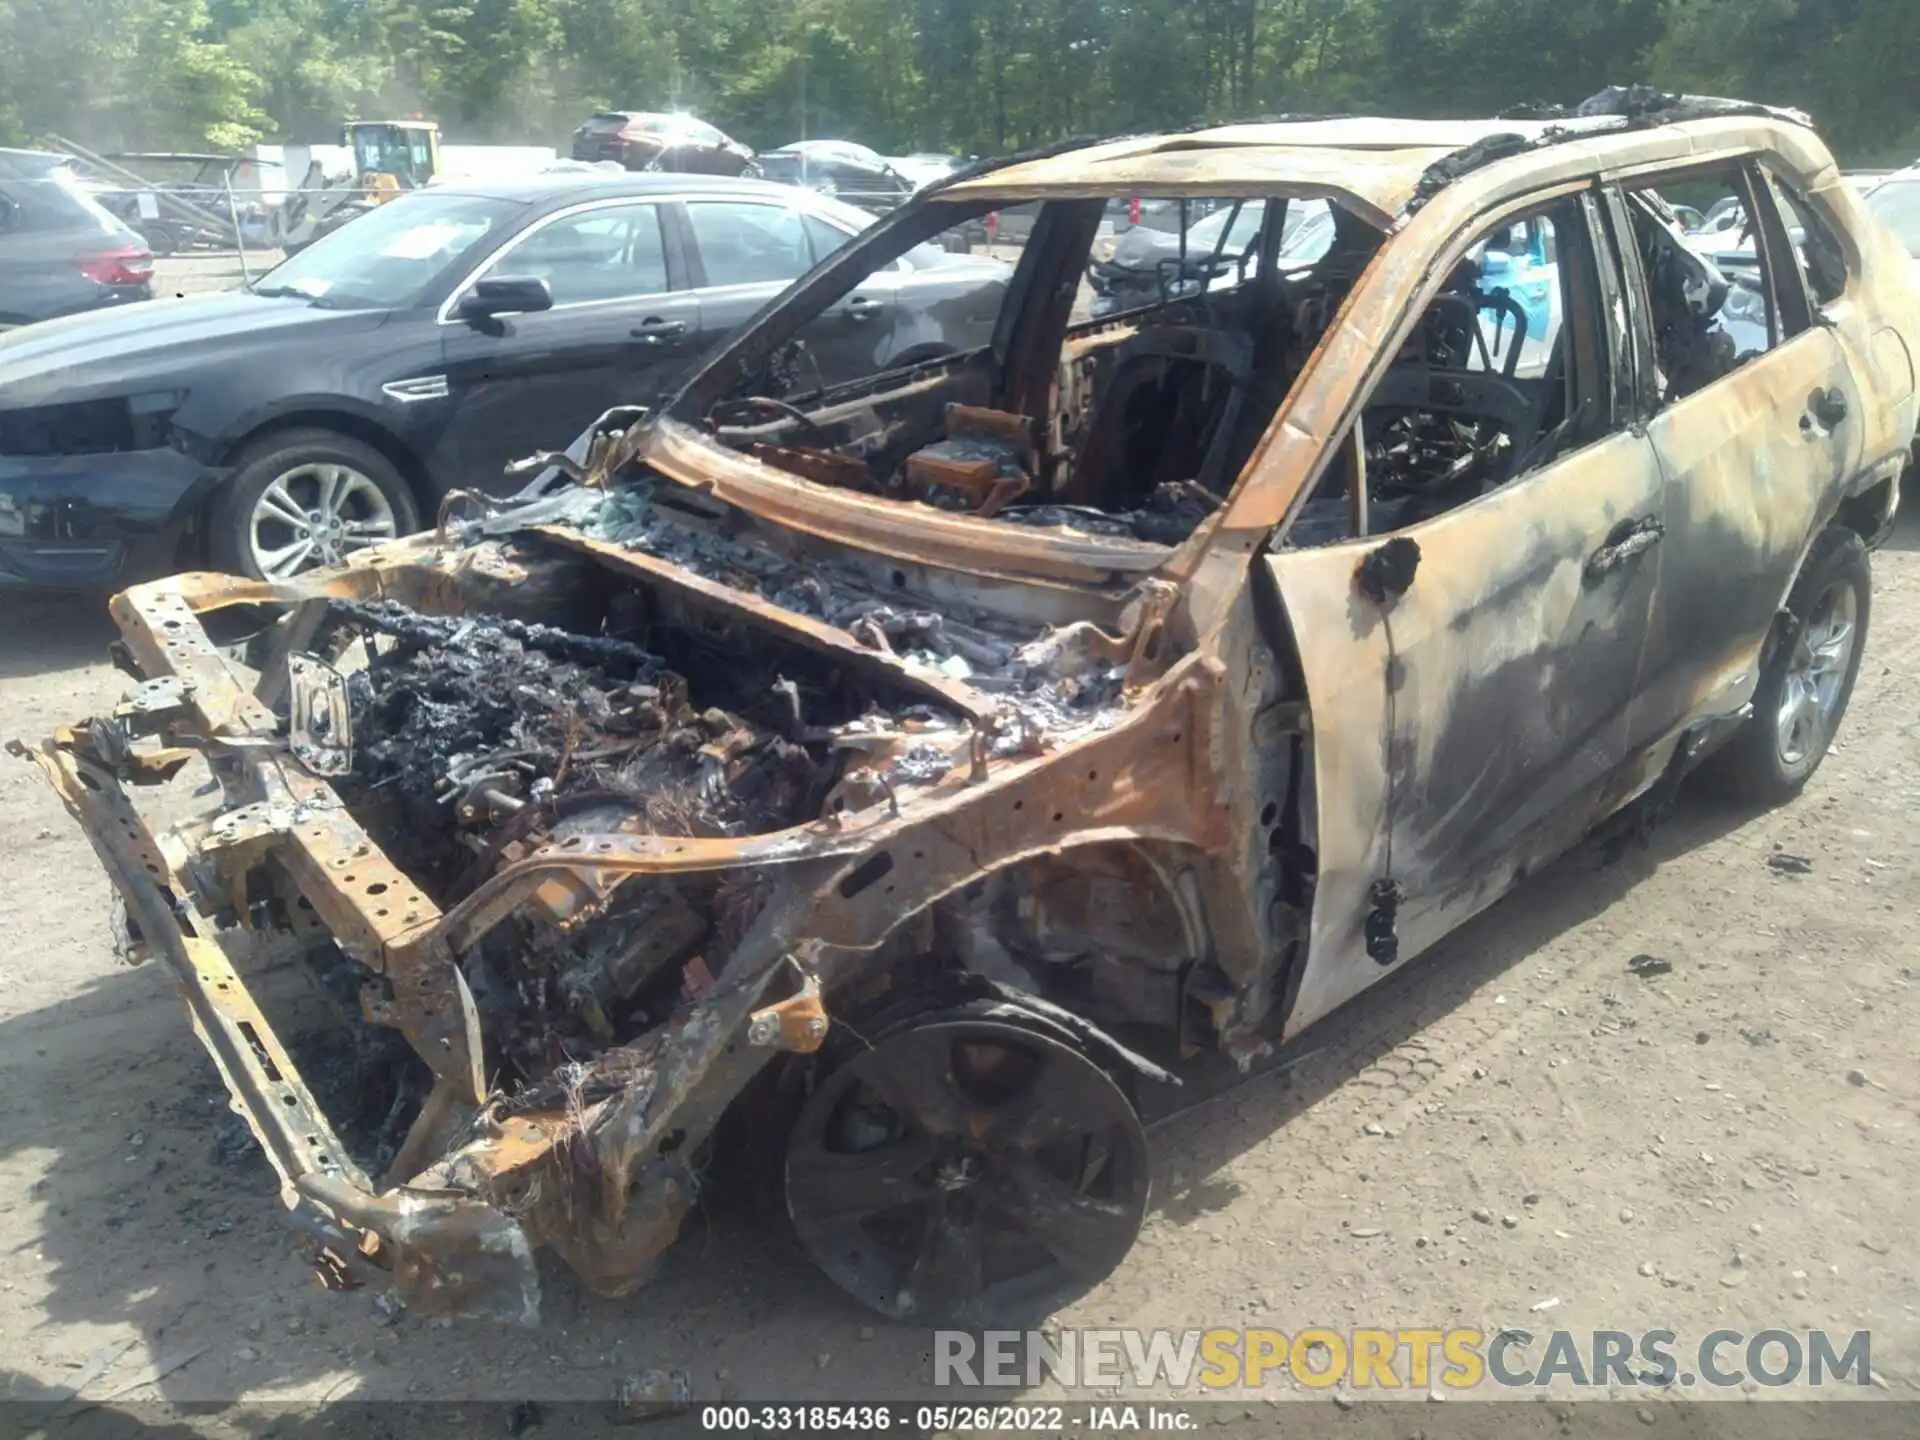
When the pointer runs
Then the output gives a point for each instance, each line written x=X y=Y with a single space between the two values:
x=965 y=1172
x=300 y=499
x=1807 y=679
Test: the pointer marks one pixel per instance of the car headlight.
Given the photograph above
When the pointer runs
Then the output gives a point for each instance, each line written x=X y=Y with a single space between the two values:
x=1103 y=249
x=91 y=427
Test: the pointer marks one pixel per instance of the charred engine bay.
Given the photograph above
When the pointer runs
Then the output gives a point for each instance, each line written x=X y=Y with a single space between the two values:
x=479 y=738
x=477 y=732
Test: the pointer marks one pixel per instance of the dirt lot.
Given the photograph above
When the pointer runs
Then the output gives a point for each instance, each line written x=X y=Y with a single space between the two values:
x=1732 y=1143
x=209 y=270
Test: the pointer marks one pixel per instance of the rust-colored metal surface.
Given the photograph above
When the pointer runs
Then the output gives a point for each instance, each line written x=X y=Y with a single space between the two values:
x=929 y=536
x=649 y=794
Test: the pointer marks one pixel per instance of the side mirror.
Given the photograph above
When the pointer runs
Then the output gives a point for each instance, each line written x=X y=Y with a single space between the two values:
x=506 y=295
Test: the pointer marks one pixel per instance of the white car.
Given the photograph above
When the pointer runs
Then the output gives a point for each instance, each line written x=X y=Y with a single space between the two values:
x=1895 y=203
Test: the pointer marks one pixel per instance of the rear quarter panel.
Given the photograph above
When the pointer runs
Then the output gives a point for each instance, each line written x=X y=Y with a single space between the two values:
x=40 y=275
x=1878 y=322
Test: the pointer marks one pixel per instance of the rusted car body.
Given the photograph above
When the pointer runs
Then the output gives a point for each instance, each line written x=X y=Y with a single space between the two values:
x=1063 y=770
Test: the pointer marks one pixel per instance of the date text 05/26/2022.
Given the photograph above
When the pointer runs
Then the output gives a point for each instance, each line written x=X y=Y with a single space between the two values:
x=1101 y=1418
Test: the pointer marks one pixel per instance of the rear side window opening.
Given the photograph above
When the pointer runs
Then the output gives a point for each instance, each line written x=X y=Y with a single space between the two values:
x=1717 y=305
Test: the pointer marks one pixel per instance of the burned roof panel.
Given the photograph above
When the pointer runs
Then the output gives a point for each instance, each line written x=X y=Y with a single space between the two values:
x=1373 y=184
x=1375 y=165
x=1370 y=165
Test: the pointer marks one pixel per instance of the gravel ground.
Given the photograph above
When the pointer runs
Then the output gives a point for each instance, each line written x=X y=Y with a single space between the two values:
x=209 y=270
x=1730 y=1144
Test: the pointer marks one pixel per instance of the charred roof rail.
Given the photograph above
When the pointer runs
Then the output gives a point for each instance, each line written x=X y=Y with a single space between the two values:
x=1464 y=161
x=1639 y=106
x=1642 y=105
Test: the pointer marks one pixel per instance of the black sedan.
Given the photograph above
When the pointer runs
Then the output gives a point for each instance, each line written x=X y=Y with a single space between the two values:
x=839 y=167
x=61 y=252
x=643 y=140
x=423 y=347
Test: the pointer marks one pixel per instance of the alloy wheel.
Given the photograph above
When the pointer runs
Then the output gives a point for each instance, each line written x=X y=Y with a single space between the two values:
x=1816 y=675
x=966 y=1170
x=317 y=514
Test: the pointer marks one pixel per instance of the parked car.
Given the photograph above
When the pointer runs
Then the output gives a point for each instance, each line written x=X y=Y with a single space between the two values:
x=60 y=251
x=1731 y=249
x=1728 y=215
x=867 y=796
x=923 y=168
x=1895 y=203
x=1013 y=224
x=838 y=167
x=1145 y=265
x=423 y=346
x=641 y=140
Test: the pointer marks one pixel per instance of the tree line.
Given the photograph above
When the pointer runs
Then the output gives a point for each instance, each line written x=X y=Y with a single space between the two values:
x=970 y=76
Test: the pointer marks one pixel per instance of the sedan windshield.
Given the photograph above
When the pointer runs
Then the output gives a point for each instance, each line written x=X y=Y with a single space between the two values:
x=1897 y=205
x=391 y=256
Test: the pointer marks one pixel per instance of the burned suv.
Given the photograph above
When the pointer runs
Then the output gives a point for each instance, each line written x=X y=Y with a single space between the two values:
x=898 y=780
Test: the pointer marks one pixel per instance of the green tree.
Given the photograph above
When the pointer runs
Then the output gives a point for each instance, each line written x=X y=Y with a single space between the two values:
x=144 y=74
x=971 y=75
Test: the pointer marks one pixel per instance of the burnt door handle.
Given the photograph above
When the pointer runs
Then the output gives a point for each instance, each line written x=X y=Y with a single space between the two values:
x=1825 y=409
x=655 y=331
x=1626 y=540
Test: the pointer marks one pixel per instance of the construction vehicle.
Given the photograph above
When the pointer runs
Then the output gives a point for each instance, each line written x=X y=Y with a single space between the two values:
x=390 y=157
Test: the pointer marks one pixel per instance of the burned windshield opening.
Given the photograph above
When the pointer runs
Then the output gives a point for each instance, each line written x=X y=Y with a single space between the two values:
x=1102 y=365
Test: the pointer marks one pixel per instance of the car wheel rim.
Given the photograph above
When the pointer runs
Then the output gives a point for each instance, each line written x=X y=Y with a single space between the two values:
x=316 y=515
x=1816 y=674
x=964 y=1170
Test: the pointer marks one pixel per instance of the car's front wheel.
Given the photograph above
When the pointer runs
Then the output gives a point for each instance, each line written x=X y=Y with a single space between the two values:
x=962 y=1170
x=301 y=499
x=1808 y=677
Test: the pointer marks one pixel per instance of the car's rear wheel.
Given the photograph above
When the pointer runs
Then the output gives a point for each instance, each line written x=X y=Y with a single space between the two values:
x=302 y=499
x=1812 y=660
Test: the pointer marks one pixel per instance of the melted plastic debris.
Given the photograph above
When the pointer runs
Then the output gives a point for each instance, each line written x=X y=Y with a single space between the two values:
x=479 y=740
x=923 y=764
x=468 y=722
x=997 y=660
x=1172 y=513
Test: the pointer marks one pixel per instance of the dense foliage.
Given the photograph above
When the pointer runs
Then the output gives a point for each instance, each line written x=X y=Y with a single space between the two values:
x=977 y=76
